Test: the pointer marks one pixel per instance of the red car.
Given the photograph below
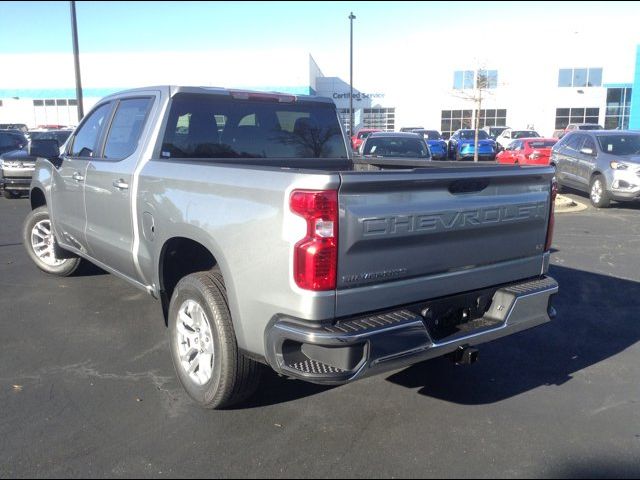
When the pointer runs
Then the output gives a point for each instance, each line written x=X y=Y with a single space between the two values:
x=360 y=137
x=528 y=151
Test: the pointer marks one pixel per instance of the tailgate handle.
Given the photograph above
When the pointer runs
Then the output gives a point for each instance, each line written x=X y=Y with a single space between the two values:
x=468 y=186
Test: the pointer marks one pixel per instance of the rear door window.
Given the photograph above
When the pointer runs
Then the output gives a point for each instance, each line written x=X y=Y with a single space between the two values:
x=216 y=126
x=126 y=128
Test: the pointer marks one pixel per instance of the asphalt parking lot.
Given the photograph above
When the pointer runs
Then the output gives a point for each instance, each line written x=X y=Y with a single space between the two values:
x=87 y=388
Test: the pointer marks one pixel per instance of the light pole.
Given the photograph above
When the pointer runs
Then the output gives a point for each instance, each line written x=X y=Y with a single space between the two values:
x=76 y=60
x=351 y=19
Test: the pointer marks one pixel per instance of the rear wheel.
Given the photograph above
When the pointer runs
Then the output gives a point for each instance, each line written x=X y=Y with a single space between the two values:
x=42 y=247
x=598 y=194
x=203 y=344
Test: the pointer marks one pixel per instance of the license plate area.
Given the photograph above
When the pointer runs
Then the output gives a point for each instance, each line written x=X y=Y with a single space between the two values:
x=459 y=315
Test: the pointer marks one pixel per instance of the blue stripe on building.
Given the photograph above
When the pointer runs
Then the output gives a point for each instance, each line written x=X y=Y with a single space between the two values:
x=634 y=115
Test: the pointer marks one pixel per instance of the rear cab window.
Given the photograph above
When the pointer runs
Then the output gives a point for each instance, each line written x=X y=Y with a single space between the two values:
x=202 y=126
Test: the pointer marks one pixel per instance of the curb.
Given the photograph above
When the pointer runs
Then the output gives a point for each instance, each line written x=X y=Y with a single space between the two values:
x=568 y=205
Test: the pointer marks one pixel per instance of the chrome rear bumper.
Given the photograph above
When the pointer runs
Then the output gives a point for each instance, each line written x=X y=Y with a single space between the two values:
x=357 y=347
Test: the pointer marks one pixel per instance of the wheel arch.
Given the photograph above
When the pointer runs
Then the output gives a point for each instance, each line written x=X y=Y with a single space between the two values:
x=37 y=198
x=182 y=255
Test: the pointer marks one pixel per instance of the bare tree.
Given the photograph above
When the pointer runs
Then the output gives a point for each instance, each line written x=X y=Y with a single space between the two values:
x=476 y=94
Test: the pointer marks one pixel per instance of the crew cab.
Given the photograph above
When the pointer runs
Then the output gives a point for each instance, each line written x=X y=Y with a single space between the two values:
x=266 y=244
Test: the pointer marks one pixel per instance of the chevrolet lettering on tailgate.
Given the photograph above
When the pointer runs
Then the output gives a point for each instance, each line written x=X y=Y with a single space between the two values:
x=453 y=220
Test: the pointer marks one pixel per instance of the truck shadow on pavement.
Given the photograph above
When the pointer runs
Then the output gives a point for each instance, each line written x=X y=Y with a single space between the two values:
x=597 y=319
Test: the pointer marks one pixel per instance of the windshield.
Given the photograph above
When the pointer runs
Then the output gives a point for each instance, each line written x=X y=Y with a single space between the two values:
x=524 y=134
x=495 y=132
x=620 y=144
x=213 y=126
x=60 y=136
x=542 y=143
x=396 y=147
x=590 y=127
x=471 y=135
x=430 y=134
x=11 y=141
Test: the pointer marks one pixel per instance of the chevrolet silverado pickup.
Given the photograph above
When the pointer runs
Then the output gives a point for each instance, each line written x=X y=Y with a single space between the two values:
x=266 y=244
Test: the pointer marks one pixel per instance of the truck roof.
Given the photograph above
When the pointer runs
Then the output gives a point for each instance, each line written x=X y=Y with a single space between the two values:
x=174 y=89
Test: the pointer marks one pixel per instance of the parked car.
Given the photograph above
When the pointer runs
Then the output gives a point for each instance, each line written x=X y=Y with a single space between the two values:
x=603 y=163
x=494 y=131
x=462 y=145
x=527 y=151
x=389 y=148
x=358 y=138
x=578 y=126
x=276 y=249
x=509 y=135
x=14 y=126
x=410 y=129
x=12 y=140
x=17 y=166
x=437 y=145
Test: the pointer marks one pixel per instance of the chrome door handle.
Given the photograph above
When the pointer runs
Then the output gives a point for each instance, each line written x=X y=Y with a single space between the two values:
x=120 y=184
x=77 y=177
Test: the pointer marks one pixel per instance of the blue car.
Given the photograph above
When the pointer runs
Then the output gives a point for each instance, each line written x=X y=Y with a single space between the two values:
x=437 y=145
x=462 y=145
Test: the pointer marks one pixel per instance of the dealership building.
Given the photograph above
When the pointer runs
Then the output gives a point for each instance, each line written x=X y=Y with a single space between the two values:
x=543 y=92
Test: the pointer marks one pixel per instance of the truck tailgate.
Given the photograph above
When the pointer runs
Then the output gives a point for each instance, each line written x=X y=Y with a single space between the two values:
x=407 y=236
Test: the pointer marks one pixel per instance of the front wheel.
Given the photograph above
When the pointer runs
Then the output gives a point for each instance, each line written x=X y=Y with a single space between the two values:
x=598 y=193
x=203 y=344
x=42 y=247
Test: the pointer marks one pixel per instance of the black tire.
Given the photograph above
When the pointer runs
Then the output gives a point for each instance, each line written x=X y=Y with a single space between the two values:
x=234 y=377
x=604 y=199
x=69 y=262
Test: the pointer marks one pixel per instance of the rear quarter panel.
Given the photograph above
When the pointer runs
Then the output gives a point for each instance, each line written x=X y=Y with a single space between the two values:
x=241 y=215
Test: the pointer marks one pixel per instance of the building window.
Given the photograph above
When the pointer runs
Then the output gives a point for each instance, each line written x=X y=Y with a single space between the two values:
x=580 y=77
x=377 y=117
x=468 y=79
x=49 y=103
x=565 y=77
x=487 y=79
x=618 y=108
x=452 y=120
x=72 y=102
x=565 y=116
x=463 y=79
x=61 y=102
x=38 y=103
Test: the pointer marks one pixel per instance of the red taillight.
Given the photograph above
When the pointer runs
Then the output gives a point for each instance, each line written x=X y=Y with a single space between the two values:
x=552 y=217
x=315 y=257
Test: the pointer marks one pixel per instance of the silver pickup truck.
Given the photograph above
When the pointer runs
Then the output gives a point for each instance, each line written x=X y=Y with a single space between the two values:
x=246 y=216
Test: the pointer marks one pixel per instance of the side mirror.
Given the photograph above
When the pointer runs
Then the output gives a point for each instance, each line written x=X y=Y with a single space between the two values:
x=49 y=149
x=587 y=151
